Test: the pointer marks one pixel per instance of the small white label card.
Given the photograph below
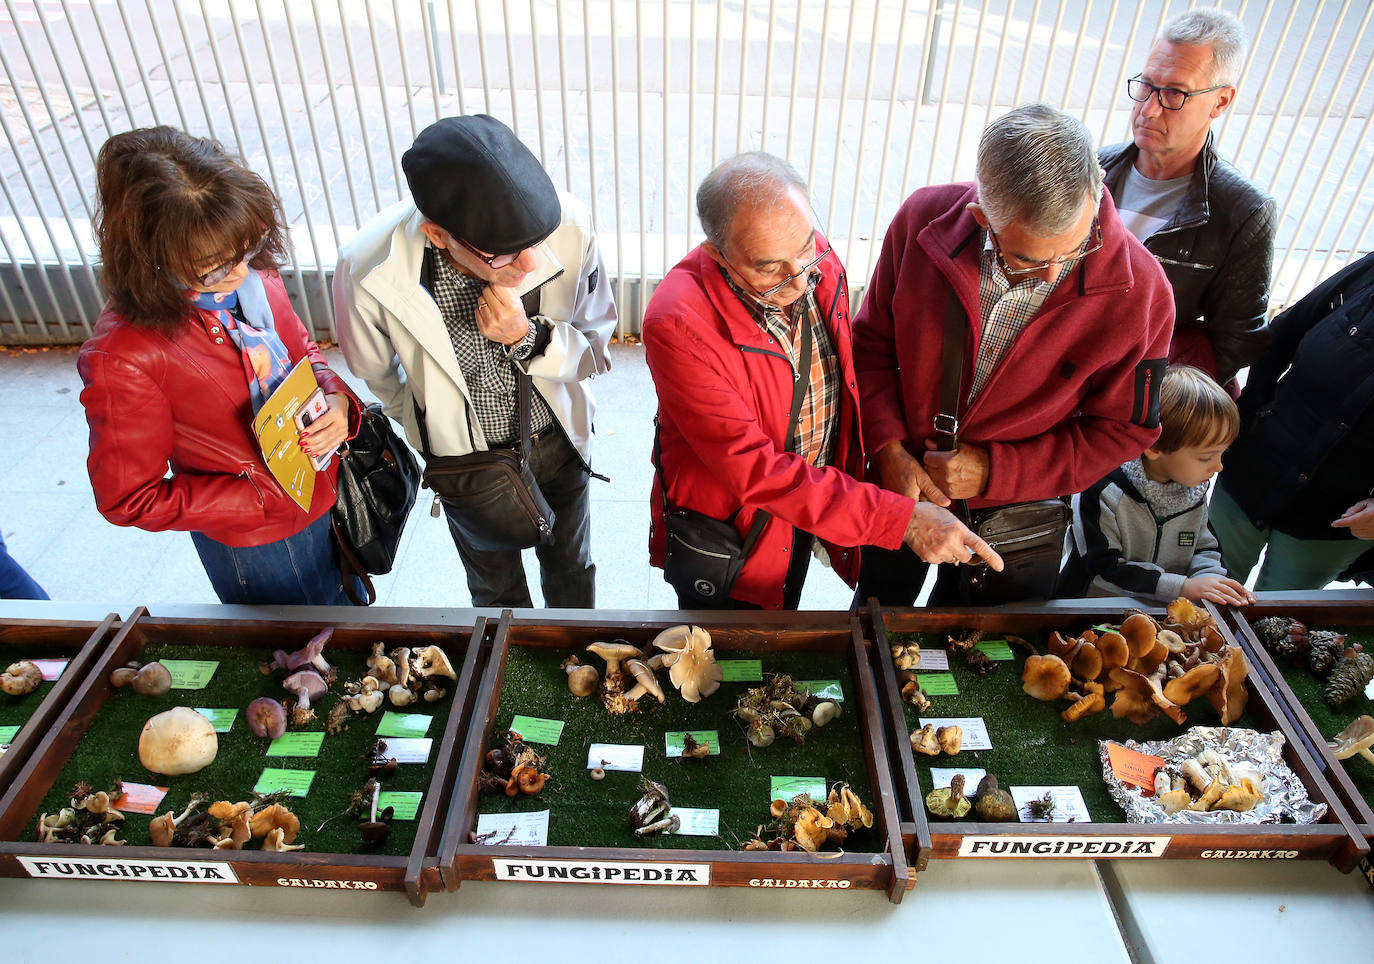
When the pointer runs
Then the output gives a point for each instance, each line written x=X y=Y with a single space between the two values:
x=1068 y=804
x=975 y=730
x=616 y=756
x=941 y=777
x=515 y=829
x=50 y=668
x=409 y=749
x=936 y=659
x=697 y=822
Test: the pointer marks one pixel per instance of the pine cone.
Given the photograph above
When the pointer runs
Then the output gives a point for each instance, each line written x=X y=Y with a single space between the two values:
x=1284 y=636
x=1325 y=648
x=1349 y=677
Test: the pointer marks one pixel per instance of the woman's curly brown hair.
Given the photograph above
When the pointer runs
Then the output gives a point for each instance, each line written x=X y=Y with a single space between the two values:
x=169 y=206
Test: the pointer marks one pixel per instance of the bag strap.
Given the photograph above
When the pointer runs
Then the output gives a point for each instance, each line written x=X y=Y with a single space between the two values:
x=351 y=565
x=799 y=387
x=951 y=387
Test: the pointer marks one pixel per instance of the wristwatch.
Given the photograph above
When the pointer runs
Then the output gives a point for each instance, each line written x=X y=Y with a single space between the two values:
x=523 y=348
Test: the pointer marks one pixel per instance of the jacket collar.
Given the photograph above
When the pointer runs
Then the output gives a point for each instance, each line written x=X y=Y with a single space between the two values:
x=948 y=239
x=1194 y=208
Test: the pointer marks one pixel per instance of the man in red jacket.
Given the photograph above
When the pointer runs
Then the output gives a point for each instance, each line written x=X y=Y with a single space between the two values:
x=750 y=326
x=1066 y=320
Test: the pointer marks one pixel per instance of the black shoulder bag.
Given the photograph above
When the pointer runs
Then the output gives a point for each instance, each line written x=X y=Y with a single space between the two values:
x=1029 y=536
x=704 y=556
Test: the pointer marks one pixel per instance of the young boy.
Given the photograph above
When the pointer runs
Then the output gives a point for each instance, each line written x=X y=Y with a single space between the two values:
x=1142 y=531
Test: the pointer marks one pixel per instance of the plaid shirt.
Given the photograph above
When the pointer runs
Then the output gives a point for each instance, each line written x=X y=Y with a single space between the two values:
x=486 y=365
x=1007 y=308
x=819 y=418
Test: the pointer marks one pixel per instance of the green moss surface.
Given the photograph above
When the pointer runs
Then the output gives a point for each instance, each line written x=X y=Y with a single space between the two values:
x=1309 y=690
x=16 y=710
x=1032 y=745
x=589 y=813
x=108 y=751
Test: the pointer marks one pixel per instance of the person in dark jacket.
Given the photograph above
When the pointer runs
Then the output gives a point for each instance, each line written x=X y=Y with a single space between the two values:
x=1299 y=479
x=1209 y=227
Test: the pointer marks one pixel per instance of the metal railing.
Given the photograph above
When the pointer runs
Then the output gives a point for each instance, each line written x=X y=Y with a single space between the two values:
x=628 y=104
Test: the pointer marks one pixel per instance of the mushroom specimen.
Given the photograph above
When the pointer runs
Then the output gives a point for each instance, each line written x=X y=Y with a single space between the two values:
x=582 y=680
x=906 y=656
x=950 y=738
x=1045 y=677
x=266 y=717
x=433 y=661
x=692 y=666
x=614 y=683
x=153 y=680
x=275 y=817
x=652 y=812
x=177 y=742
x=90 y=819
x=307 y=685
x=646 y=684
x=21 y=678
x=124 y=675
x=925 y=741
x=949 y=801
x=1354 y=739
x=993 y=802
x=845 y=808
x=308 y=655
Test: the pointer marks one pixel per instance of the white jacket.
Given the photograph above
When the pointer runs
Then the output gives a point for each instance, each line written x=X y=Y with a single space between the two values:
x=393 y=336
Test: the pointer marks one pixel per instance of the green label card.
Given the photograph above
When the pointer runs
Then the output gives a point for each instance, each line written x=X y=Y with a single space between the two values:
x=190 y=674
x=534 y=730
x=403 y=724
x=295 y=782
x=785 y=788
x=740 y=670
x=939 y=684
x=8 y=733
x=296 y=744
x=673 y=742
x=822 y=689
x=405 y=803
x=220 y=719
x=997 y=649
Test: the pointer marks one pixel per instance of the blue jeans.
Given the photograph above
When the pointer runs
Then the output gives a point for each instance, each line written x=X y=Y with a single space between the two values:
x=296 y=571
x=567 y=574
x=15 y=583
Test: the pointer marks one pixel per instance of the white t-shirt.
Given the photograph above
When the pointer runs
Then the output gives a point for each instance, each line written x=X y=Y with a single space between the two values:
x=1146 y=206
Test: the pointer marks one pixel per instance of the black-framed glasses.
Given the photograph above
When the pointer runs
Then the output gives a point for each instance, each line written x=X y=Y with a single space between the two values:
x=493 y=261
x=1090 y=244
x=218 y=273
x=1170 y=98
x=801 y=272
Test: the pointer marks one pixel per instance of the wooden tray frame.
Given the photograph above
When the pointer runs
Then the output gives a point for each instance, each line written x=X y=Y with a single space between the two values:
x=1333 y=610
x=1332 y=839
x=417 y=874
x=730 y=631
x=83 y=638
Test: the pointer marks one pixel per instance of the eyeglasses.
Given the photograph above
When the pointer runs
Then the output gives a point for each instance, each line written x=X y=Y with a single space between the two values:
x=801 y=272
x=1090 y=244
x=1170 y=98
x=490 y=260
x=217 y=274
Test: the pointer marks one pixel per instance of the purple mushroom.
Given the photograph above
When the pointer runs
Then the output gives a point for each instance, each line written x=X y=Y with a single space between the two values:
x=266 y=717
x=307 y=655
x=307 y=685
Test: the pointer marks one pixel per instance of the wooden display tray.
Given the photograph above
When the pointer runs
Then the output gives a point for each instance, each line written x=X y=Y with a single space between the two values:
x=839 y=633
x=1331 y=839
x=1352 y=608
x=417 y=873
x=80 y=640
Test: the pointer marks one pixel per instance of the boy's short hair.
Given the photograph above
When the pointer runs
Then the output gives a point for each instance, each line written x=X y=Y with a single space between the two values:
x=1194 y=411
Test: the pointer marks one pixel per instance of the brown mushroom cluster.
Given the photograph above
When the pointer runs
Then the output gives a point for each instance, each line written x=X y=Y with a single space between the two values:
x=629 y=676
x=400 y=677
x=225 y=825
x=91 y=818
x=512 y=768
x=778 y=708
x=802 y=825
x=630 y=672
x=1208 y=783
x=153 y=679
x=932 y=742
x=1151 y=668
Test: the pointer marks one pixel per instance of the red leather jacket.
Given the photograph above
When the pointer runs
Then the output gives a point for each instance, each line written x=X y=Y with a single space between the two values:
x=724 y=397
x=154 y=402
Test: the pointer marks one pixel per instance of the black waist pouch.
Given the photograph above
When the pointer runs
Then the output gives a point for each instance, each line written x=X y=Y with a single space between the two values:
x=705 y=555
x=1029 y=536
x=492 y=498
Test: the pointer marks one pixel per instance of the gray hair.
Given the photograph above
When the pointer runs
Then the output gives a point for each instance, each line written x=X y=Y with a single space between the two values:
x=1217 y=29
x=754 y=178
x=1036 y=166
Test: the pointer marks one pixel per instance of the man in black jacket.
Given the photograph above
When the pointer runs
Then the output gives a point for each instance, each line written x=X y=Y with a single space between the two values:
x=1211 y=229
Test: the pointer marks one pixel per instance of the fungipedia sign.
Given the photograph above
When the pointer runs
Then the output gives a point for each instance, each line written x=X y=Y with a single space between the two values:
x=603 y=872
x=132 y=868
x=1088 y=847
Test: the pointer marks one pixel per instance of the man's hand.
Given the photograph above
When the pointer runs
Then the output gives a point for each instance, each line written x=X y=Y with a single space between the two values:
x=501 y=316
x=327 y=432
x=899 y=471
x=1222 y=590
x=962 y=473
x=1359 y=519
x=937 y=536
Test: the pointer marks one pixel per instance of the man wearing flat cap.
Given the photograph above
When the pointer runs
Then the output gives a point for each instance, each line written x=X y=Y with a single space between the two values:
x=439 y=300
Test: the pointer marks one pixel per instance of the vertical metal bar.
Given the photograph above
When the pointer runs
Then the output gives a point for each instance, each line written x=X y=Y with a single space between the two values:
x=972 y=85
x=57 y=313
x=362 y=113
x=1284 y=34
x=715 y=84
x=1049 y=53
x=642 y=214
x=482 y=55
x=138 y=62
x=929 y=39
x=796 y=76
x=743 y=74
x=839 y=128
x=405 y=67
x=510 y=67
x=1301 y=111
x=195 y=70
x=20 y=285
x=105 y=45
x=391 y=146
x=338 y=118
x=1122 y=68
x=224 y=78
x=1363 y=232
x=876 y=232
x=591 y=133
x=997 y=67
x=430 y=33
x=615 y=156
x=691 y=122
x=768 y=72
x=316 y=142
x=538 y=83
x=863 y=133
x=664 y=180
x=66 y=83
x=938 y=11
x=931 y=177
x=1329 y=209
x=453 y=28
x=172 y=84
x=563 y=98
x=820 y=98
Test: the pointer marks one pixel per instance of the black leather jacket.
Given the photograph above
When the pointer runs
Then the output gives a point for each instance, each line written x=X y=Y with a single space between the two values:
x=1216 y=250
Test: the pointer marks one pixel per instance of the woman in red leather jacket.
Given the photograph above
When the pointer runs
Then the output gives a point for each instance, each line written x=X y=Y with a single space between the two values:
x=197 y=333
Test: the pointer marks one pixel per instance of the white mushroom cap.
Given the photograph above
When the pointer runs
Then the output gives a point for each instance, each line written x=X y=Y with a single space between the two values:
x=176 y=742
x=433 y=661
x=691 y=664
x=645 y=681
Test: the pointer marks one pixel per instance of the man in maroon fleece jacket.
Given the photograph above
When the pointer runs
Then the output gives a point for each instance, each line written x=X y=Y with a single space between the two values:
x=1066 y=321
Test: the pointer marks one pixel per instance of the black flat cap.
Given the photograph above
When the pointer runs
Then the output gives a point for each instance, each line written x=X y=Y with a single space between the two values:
x=471 y=176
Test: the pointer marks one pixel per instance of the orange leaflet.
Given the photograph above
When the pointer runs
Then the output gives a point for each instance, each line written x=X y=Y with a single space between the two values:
x=1134 y=767
x=139 y=798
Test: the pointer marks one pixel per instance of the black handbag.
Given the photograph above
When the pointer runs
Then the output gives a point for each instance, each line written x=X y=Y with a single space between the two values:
x=492 y=497
x=377 y=481
x=703 y=555
x=1029 y=536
